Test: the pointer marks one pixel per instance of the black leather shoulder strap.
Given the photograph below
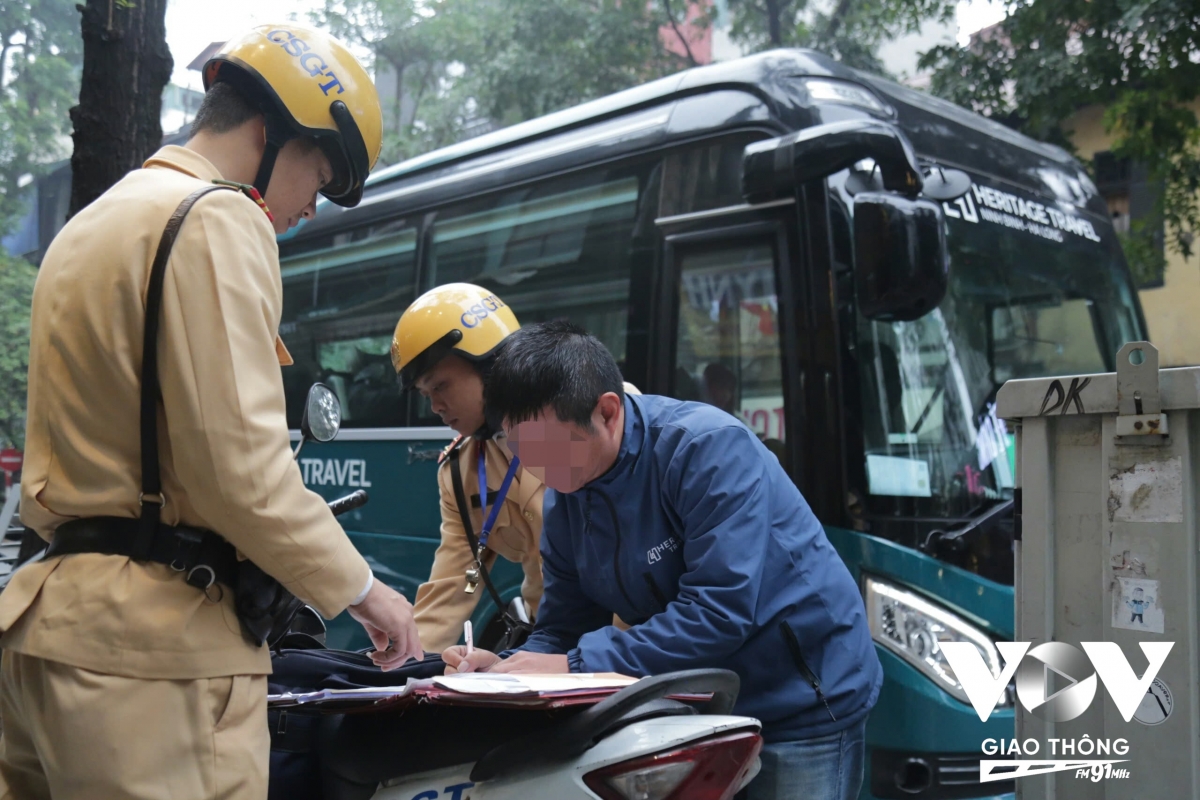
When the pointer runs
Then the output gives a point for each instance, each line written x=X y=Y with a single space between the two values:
x=151 y=498
x=460 y=494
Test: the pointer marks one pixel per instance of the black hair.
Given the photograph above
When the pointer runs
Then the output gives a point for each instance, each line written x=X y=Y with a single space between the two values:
x=223 y=109
x=553 y=364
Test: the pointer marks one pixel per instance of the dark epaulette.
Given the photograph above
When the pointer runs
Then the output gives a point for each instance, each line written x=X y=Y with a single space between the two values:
x=446 y=453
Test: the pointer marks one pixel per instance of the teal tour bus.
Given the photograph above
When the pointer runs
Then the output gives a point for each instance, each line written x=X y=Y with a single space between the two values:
x=850 y=266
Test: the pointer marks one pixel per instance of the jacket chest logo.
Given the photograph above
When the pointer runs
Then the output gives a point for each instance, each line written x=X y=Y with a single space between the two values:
x=655 y=554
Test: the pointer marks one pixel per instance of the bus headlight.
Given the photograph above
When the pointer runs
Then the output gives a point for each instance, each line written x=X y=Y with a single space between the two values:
x=914 y=628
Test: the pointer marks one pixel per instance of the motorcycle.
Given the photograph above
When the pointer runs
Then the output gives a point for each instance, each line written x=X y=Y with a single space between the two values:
x=637 y=744
x=656 y=739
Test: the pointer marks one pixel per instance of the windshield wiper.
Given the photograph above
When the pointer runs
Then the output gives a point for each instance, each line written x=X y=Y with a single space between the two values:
x=943 y=544
x=933 y=398
x=937 y=392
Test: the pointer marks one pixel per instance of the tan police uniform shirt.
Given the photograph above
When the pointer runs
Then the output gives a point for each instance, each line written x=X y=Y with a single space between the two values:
x=443 y=603
x=225 y=453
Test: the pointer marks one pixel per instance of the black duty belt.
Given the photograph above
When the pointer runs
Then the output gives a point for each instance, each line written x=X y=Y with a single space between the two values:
x=202 y=556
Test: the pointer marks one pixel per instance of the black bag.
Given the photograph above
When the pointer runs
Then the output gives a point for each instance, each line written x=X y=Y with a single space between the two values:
x=516 y=633
x=295 y=759
x=264 y=607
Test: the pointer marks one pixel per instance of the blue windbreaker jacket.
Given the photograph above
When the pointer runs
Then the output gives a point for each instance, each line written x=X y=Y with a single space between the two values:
x=698 y=538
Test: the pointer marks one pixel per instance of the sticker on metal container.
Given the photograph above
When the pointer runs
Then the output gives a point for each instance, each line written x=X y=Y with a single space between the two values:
x=1157 y=705
x=1137 y=607
x=1149 y=492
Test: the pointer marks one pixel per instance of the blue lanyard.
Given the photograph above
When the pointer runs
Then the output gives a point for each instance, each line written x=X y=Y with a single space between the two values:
x=500 y=495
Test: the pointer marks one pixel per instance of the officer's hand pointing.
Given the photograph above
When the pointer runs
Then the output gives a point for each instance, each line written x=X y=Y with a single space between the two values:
x=388 y=618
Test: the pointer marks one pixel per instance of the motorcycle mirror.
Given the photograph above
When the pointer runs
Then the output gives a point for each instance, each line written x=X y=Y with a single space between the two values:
x=322 y=415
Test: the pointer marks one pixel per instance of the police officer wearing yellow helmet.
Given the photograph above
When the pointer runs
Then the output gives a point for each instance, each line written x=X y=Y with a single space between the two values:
x=443 y=347
x=126 y=672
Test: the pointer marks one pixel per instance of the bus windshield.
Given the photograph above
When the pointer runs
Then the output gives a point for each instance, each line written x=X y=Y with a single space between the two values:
x=1025 y=300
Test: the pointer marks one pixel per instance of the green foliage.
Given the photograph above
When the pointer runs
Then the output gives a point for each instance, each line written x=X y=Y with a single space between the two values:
x=41 y=53
x=1143 y=252
x=1137 y=58
x=407 y=36
x=850 y=30
x=537 y=56
x=16 y=295
x=467 y=64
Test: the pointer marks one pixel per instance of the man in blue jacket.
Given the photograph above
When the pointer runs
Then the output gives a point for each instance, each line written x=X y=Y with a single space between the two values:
x=675 y=517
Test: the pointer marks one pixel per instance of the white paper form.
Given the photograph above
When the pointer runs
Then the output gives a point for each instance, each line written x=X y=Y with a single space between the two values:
x=491 y=683
x=475 y=683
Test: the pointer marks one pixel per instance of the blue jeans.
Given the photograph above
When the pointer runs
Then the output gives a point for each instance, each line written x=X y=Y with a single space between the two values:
x=825 y=768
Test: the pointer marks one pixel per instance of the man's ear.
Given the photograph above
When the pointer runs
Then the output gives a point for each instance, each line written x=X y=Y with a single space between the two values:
x=256 y=132
x=609 y=409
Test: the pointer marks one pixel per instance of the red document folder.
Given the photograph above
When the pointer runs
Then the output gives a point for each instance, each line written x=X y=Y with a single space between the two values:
x=480 y=690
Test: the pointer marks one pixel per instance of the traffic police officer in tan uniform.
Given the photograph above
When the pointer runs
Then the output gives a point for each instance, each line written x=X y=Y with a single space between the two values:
x=120 y=678
x=443 y=347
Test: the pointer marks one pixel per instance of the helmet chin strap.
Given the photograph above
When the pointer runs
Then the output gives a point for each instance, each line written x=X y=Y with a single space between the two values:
x=277 y=132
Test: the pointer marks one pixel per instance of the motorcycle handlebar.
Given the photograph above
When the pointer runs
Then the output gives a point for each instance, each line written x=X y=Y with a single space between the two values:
x=348 y=503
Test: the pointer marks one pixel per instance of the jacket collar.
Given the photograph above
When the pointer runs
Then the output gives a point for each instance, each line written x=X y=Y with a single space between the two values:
x=631 y=444
x=183 y=160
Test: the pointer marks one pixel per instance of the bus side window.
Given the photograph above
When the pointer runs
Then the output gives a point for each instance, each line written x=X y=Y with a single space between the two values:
x=563 y=247
x=341 y=300
x=707 y=175
x=727 y=350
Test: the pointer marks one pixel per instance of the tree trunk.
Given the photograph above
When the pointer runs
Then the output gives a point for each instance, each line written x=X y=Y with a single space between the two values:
x=774 y=24
x=126 y=65
x=837 y=18
x=687 y=48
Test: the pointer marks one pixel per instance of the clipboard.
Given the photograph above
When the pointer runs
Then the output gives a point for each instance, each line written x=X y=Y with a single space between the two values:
x=485 y=690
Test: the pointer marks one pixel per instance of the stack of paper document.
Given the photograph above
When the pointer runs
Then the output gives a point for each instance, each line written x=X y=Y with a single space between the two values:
x=507 y=684
x=470 y=688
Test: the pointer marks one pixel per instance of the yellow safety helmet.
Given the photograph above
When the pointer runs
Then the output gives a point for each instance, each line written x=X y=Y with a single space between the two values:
x=458 y=317
x=306 y=83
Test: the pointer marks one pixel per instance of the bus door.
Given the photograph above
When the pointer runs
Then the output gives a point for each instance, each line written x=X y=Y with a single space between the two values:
x=725 y=321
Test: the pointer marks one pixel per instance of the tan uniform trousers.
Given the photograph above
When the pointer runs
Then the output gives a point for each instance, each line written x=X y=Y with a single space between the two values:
x=71 y=734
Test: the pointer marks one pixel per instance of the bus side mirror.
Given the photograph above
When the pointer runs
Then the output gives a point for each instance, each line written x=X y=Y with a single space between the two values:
x=777 y=168
x=900 y=261
x=901 y=266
